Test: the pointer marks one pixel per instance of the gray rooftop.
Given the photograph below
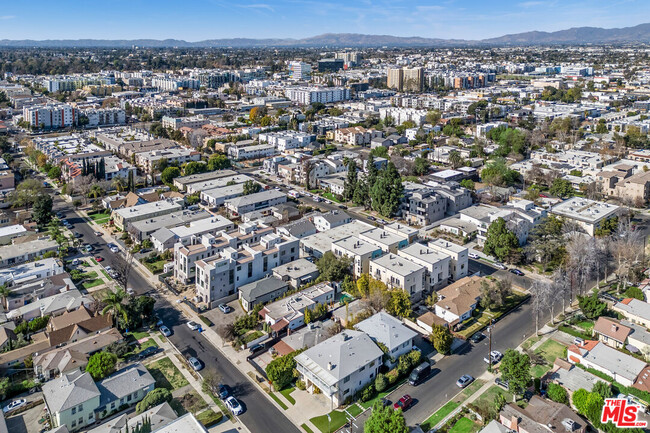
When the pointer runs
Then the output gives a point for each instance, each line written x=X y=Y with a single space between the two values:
x=323 y=241
x=583 y=209
x=636 y=308
x=170 y=220
x=126 y=381
x=617 y=362
x=296 y=269
x=202 y=177
x=158 y=416
x=69 y=390
x=356 y=246
x=347 y=352
x=575 y=378
x=261 y=287
x=386 y=329
x=397 y=264
x=255 y=198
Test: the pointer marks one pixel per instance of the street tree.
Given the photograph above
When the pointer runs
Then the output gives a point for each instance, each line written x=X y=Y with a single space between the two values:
x=501 y=242
x=441 y=338
x=42 y=211
x=515 y=369
x=385 y=420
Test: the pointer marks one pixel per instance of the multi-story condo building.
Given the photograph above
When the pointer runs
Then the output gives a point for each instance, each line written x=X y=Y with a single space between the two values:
x=360 y=251
x=252 y=202
x=105 y=116
x=459 y=259
x=436 y=263
x=309 y=95
x=181 y=155
x=232 y=268
x=400 y=273
x=125 y=216
x=51 y=116
x=288 y=313
x=208 y=245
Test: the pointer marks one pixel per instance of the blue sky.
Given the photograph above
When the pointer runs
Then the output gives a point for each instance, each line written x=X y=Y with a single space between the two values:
x=194 y=20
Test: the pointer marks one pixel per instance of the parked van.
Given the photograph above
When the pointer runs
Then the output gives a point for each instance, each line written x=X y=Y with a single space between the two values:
x=293 y=193
x=420 y=373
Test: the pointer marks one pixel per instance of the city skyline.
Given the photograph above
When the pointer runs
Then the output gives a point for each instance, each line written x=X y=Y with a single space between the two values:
x=213 y=19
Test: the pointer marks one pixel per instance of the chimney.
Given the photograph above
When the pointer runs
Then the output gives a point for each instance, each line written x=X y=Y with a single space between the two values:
x=514 y=423
x=330 y=366
x=614 y=327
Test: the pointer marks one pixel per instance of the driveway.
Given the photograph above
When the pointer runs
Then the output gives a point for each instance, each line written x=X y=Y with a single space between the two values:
x=219 y=318
x=28 y=421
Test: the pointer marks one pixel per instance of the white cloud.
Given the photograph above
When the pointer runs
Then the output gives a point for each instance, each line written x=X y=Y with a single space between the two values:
x=7 y=17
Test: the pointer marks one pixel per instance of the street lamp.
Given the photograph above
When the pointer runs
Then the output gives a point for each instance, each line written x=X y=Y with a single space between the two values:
x=329 y=419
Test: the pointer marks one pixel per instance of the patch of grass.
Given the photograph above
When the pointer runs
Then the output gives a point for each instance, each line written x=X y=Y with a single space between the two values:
x=321 y=422
x=464 y=425
x=486 y=400
x=92 y=259
x=101 y=294
x=167 y=374
x=108 y=277
x=530 y=342
x=89 y=275
x=354 y=410
x=439 y=415
x=471 y=389
x=139 y=335
x=539 y=370
x=207 y=322
x=380 y=395
x=330 y=196
x=209 y=418
x=278 y=401
x=306 y=428
x=251 y=336
x=550 y=350
x=155 y=267
x=192 y=402
x=100 y=217
x=88 y=284
x=287 y=394
x=587 y=325
x=574 y=332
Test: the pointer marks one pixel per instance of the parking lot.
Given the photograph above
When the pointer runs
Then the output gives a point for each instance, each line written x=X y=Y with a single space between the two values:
x=219 y=318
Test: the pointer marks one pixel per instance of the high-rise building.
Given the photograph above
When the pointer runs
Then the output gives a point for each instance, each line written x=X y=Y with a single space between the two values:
x=52 y=116
x=413 y=79
x=395 y=78
x=330 y=65
x=299 y=70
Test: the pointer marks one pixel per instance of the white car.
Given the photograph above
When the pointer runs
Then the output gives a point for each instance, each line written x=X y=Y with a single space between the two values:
x=233 y=406
x=193 y=325
x=473 y=256
x=495 y=357
x=195 y=363
x=130 y=291
x=14 y=405
x=500 y=265
x=98 y=234
x=114 y=249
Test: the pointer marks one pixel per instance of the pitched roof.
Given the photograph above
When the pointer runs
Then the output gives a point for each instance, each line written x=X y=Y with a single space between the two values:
x=612 y=329
x=261 y=287
x=124 y=382
x=460 y=296
x=69 y=390
x=386 y=329
x=157 y=417
x=69 y=318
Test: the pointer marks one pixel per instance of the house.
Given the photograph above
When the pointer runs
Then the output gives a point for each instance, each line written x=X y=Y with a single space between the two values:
x=398 y=272
x=297 y=272
x=634 y=310
x=541 y=415
x=428 y=319
x=389 y=331
x=304 y=338
x=340 y=366
x=298 y=229
x=289 y=312
x=156 y=417
x=261 y=292
x=125 y=387
x=7 y=336
x=457 y=301
x=31 y=271
x=611 y=332
x=54 y=305
x=71 y=400
x=331 y=220
x=49 y=365
x=571 y=377
x=638 y=339
x=595 y=354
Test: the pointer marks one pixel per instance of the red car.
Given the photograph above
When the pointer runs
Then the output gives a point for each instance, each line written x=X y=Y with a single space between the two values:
x=99 y=258
x=404 y=403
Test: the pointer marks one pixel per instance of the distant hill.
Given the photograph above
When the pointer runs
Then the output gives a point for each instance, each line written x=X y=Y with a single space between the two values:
x=578 y=35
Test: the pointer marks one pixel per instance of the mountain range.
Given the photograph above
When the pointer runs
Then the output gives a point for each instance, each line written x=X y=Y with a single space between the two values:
x=576 y=35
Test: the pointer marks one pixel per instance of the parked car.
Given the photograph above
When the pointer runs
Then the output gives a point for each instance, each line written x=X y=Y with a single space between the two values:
x=89 y=248
x=420 y=373
x=477 y=338
x=255 y=348
x=495 y=357
x=517 y=272
x=233 y=406
x=193 y=325
x=464 y=380
x=403 y=403
x=99 y=259
x=149 y=351
x=372 y=218
x=342 y=206
x=165 y=331
x=98 y=234
x=114 y=249
x=77 y=235
x=225 y=308
x=222 y=391
x=473 y=256
x=500 y=265
x=75 y=262
x=502 y=383
x=195 y=363
x=14 y=405
x=130 y=291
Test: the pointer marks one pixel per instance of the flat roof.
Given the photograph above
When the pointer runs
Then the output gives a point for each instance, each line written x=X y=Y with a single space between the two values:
x=202 y=177
x=585 y=210
x=423 y=253
x=147 y=208
x=397 y=264
x=356 y=245
x=381 y=236
x=446 y=245
x=322 y=241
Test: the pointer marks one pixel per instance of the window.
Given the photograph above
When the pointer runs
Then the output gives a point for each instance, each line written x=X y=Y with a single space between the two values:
x=372 y=364
x=346 y=380
x=74 y=410
x=128 y=397
x=362 y=368
x=74 y=424
x=81 y=421
x=112 y=405
x=81 y=407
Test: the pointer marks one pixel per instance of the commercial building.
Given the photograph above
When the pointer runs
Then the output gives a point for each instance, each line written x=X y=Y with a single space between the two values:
x=330 y=65
x=299 y=70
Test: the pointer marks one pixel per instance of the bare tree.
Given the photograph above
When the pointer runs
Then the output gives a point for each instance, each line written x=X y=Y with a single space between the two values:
x=627 y=249
x=122 y=266
x=561 y=286
x=540 y=297
x=227 y=331
x=83 y=185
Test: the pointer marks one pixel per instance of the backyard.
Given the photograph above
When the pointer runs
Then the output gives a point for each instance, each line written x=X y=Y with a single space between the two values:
x=166 y=374
x=550 y=350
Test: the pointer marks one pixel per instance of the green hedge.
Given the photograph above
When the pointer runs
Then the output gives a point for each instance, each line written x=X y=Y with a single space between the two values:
x=572 y=331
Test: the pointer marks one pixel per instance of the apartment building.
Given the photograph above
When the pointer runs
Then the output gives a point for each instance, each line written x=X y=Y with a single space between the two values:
x=165 y=238
x=330 y=220
x=588 y=214
x=105 y=116
x=388 y=241
x=253 y=202
x=399 y=273
x=24 y=272
x=176 y=123
x=309 y=95
x=401 y=115
x=355 y=135
x=123 y=217
x=286 y=140
x=437 y=264
x=252 y=152
x=51 y=116
x=141 y=230
x=222 y=275
x=209 y=245
x=26 y=251
x=459 y=259
x=289 y=313
x=360 y=251
x=148 y=160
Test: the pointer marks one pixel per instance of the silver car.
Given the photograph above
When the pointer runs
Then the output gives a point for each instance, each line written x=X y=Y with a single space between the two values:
x=195 y=364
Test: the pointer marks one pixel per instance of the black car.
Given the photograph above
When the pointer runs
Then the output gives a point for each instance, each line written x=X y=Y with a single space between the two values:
x=223 y=392
x=149 y=351
x=478 y=337
x=344 y=207
x=517 y=272
x=255 y=348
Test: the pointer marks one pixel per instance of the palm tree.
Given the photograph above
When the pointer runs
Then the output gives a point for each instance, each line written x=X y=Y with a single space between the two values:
x=118 y=183
x=4 y=292
x=114 y=304
x=96 y=191
x=455 y=159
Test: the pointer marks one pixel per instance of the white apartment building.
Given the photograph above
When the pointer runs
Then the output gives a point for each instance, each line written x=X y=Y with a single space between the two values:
x=178 y=122
x=399 y=273
x=299 y=70
x=588 y=214
x=31 y=271
x=252 y=152
x=436 y=263
x=286 y=140
x=253 y=202
x=180 y=156
x=459 y=259
x=51 y=116
x=288 y=313
x=401 y=115
x=125 y=216
x=169 y=84
x=309 y=95
x=105 y=116
x=360 y=251
x=222 y=275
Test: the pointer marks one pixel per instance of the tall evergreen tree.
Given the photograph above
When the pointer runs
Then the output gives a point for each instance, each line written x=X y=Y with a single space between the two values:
x=351 y=181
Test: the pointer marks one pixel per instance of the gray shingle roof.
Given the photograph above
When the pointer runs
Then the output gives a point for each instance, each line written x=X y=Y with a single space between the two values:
x=261 y=287
x=69 y=390
x=124 y=382
x=386 y=329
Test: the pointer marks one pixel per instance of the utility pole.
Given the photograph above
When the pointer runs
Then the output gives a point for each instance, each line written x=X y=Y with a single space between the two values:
x=489 y=330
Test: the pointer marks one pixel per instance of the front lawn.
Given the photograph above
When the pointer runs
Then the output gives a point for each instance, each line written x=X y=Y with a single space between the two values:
x=167 y=374
x=330 y=196
x=100 y=217
x=287 y=394
x=587 y=325
x=550 y=350
x=538 y=371
x=439 y=415
x=485 y=316
x=278 y=401
x=530 y=342
x=470 y=390
x=192 y=402
x=209 y=418
x=464 y=425
x=155 y=267
x=487 y=399
x=338 y=419
x=88 y=284
x=251 y=336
